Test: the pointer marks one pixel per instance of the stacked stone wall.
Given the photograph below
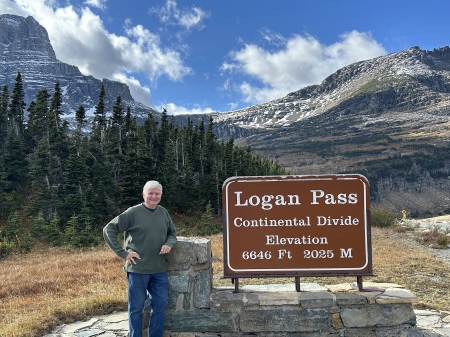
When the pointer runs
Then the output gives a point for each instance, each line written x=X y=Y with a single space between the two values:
x=196 y=309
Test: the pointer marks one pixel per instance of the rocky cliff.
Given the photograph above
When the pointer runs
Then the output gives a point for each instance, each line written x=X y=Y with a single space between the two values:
x=25 y=47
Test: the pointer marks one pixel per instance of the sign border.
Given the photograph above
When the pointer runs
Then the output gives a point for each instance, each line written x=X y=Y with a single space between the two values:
x=229 y=271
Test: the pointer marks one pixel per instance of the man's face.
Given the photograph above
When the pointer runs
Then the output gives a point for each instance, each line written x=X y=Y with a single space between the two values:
x=152 y=197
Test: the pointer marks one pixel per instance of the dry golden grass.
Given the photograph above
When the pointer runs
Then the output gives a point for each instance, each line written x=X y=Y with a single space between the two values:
x=52 y=286
x=49 y=286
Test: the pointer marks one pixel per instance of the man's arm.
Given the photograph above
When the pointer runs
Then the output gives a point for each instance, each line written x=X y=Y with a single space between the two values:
x=110 y=233
x=171 y=234
x=171 y=239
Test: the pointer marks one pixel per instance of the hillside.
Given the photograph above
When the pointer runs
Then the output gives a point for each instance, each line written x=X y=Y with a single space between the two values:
x=387 y=118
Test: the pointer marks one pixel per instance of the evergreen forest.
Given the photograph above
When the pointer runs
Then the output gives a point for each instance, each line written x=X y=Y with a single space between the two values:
x=61 y=185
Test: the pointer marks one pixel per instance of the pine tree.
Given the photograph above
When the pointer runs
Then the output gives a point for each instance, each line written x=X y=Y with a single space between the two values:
x=212 y=190
x=102 y=188
x=187 y=199
x=71 y=234
x=135 y=165
x=58 y=139
x=208 y=225
x=38 y=227
x=76 y=177
x=151 y=134
x=118 y=123
x=99 y=122
x=79 y=232
x=4 y=204
x=80 y=116
x=53 y=234
x=128 y=119
x=163 y=135
x=16 y=107
x=12 y=228
x=230 y=159
x=118 y=117
x=4 y=102
x=88 y=237
x=37 y=126
x=169 y=175
x=15 y=163
x=55 y=106
x=73 y=176
x=16 y=234
x=41 y=183
x=114 y=140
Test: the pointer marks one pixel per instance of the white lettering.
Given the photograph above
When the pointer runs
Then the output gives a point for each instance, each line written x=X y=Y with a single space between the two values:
x=316 y=195
x=346 y=254
x=265 y=222
x=254 y=200
x=352 y=198
x=304 y=240
x=238 y=199
x=267 y=201
x=329 y=221
x=331 y=199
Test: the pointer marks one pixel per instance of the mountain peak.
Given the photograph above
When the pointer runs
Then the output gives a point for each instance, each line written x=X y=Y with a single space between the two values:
x=410 y=79
x=22 y=37
x=25 y=47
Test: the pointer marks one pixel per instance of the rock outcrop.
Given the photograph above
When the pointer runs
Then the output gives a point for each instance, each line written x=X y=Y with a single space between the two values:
x=25 y=47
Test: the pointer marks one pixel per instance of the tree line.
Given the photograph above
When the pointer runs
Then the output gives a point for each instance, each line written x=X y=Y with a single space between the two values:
x=56 y=180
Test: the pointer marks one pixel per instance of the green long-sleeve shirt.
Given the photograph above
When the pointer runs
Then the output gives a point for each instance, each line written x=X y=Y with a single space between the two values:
x=145 y=233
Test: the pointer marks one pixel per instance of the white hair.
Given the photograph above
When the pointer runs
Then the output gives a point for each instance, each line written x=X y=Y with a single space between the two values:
x=151 y=184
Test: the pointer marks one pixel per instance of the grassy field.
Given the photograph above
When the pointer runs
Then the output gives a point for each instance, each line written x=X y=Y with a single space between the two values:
x=51 y=286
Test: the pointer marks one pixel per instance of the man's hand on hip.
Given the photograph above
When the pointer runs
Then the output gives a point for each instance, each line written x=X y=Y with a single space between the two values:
x=131 y=256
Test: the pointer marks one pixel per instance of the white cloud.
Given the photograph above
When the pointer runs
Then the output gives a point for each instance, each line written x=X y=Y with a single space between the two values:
x=138 y=57
x=301 y=61
x=139 y=92
x=173 y=109
x=101 y=4
x=80 y=38
x=186 y=18
x=9 y=7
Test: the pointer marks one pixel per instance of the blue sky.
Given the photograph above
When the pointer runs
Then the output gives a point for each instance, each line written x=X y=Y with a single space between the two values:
x=216 y=56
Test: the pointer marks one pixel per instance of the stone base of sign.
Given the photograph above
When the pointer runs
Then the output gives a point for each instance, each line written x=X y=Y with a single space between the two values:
x=196 y=309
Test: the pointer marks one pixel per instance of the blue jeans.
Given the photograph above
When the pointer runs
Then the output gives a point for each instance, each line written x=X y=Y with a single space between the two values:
x=138 y=285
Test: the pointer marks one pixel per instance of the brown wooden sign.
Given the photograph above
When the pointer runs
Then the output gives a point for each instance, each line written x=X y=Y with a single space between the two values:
x=297 y=225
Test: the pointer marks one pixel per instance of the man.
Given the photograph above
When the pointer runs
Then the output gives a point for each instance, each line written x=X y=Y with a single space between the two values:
x=149 y=235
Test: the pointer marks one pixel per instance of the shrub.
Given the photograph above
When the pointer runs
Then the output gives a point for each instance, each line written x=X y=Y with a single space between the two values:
x=208 y=224
x=25 y=241
x=434 y=236
x=12 y=228
x=53 y=235
x=38 y=227
x=6 y=247
x=381 y=217
x=443 y=241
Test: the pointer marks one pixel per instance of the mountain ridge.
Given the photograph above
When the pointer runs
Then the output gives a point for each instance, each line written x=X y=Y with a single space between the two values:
x=391 y=123
x=346 y=83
